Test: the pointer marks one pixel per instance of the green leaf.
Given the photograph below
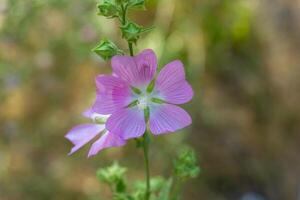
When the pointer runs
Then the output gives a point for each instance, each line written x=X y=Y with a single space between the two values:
x=122 y=196
x=186 y=165
x=120 y=186
x=136 y=4
x=156 y=184
x=166 y=190
x=112 y=174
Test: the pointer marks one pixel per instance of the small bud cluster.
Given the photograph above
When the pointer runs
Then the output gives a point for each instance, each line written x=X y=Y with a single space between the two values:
x=131 y=31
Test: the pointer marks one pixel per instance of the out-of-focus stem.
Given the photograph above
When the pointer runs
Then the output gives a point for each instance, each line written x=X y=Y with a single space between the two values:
x=147 y=171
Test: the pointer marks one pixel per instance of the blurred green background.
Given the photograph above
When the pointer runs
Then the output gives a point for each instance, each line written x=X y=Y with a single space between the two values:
x=241 y=56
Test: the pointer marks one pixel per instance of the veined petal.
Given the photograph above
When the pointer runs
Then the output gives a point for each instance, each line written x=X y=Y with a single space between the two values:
x=146 y=62
x=82 y=134
x=127 y=123
x=171 y=84
x=113 y=93
x=166 y=118
x=107 y=140
x=138 y=70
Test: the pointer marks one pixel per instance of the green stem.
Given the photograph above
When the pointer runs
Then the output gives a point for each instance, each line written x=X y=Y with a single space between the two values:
x=130 y=48
x=176 y=188
x=124 y=10
x=147 y=171
x=123 y=22
x=145 y=142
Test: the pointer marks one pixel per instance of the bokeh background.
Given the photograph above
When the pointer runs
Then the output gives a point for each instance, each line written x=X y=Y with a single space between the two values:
x=241 y=56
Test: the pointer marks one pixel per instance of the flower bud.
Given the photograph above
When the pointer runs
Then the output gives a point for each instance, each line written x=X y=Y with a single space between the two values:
x=131 y=32
x=108 y=8
x=106 y=49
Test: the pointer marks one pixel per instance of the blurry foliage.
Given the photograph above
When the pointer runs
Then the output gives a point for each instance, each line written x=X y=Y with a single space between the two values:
x=242 y=58
x=185 y=167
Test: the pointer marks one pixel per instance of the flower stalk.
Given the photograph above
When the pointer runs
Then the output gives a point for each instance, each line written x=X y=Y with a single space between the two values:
x=147 y=169
x=130 y=48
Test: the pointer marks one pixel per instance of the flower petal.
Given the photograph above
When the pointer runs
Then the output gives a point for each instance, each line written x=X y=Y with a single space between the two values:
x=88 y=113
x=112 y=94
x=166 y=118
x=107 y=140
x=82 y=134
x=147 y=64
x=171 y=84
x=127 y=123
x=91 y=114
x=138 y=70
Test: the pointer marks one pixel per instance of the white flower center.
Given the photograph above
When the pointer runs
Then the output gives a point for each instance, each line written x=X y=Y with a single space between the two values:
x=143 y=102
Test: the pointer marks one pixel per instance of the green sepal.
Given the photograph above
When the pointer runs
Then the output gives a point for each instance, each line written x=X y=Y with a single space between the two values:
x=132 y=104
x=106 y=49
x=157 y=100
x=136 y=90
x=150 y=87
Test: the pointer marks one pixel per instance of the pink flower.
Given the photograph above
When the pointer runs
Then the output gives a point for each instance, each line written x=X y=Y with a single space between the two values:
x=134 y=96
x=84 y=133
